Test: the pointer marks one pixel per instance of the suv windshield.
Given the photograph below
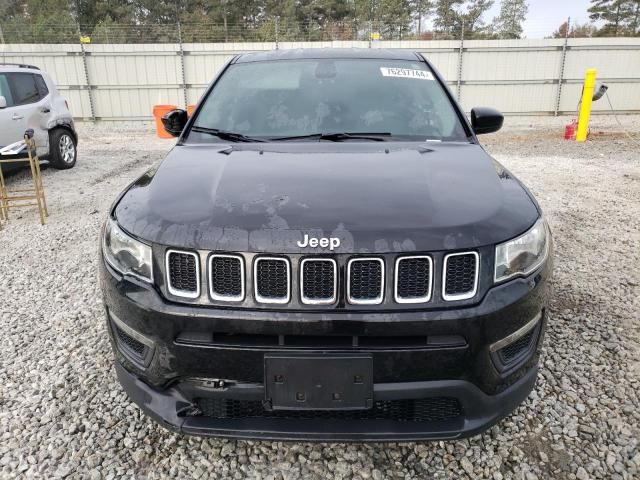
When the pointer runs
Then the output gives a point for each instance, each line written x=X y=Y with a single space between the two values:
x=277 y=100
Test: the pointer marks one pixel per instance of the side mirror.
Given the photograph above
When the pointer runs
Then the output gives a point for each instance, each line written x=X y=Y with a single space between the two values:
x=174 y=122
x=3 y=102
x=486 y=120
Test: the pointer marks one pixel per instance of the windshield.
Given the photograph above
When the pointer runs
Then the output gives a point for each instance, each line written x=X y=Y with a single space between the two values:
x=276 y=100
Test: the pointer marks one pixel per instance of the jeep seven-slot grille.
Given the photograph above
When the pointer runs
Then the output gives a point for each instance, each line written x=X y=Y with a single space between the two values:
x=318 y=280
x=226 y=277
x=183 y=273
x=418 y=410
x=460 y=275
x=272 y=280
x=366 y=280
x=413 y=279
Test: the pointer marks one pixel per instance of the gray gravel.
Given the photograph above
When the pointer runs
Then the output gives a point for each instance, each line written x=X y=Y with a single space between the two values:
x=63 y=414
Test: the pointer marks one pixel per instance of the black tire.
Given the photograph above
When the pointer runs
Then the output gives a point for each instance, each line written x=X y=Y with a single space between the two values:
x=62 y=149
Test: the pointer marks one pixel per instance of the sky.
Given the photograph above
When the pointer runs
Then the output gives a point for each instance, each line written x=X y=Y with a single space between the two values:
x=545 y=16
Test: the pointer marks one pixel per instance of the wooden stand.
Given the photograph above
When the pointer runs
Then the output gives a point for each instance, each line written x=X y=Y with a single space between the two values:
x=24 y=197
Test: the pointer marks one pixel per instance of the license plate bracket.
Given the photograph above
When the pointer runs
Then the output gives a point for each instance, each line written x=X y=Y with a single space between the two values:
x=318 y=382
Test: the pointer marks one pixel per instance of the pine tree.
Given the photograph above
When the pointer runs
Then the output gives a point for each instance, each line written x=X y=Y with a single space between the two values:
x=612 y=12
x=421 y=9
x=633 y=17
x=452 y=16
x=473 y=24
x=447 y=19
x=512 y=15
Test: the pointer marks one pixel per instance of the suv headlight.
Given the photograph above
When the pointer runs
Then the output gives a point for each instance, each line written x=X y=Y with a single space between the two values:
x=125 y=254
x=524 y=254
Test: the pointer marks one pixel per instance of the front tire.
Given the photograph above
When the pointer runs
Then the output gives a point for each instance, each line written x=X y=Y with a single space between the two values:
x=62 y=146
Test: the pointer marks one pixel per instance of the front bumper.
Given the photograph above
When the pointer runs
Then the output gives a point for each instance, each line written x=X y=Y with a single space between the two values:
x=174 y=374
x=481 y=412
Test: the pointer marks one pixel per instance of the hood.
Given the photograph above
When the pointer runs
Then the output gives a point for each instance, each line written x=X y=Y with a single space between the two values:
x=375 y=197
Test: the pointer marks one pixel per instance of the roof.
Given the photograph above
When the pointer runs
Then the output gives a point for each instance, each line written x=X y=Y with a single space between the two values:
x=317 y=53
x=17 y=66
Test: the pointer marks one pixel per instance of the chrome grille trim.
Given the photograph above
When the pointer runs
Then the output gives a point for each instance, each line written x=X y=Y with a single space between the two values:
x=260 y=298
x=461 y=296
x=226 y=298
x=372 y=301
x=175 y=291
x=424 y=299
x=313 y=301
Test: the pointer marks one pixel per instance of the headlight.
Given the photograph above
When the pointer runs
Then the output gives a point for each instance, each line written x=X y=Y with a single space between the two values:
x=125 y=254
x=524 y=254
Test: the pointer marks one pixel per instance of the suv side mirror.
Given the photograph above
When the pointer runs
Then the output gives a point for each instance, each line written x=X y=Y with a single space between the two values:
x=3 y=102
x=174 y=122
x=486 y=120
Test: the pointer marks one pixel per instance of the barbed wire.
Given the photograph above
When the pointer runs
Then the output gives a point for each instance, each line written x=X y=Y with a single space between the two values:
x=266 y=31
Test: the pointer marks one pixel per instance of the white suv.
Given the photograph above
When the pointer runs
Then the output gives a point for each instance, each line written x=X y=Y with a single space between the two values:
x=30 y=99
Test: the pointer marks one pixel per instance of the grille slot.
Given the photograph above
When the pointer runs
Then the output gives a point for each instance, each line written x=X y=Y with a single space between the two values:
x=183 y=273
x=271 y=277
x=365 y=283
x=418 y=410
x=226 y=278
x=318 y=280
x=517 y=349
x=413 y=279
x=460 y=276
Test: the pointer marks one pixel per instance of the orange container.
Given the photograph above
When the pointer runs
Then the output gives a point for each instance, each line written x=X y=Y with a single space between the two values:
x=160 y=111
x=190 y=109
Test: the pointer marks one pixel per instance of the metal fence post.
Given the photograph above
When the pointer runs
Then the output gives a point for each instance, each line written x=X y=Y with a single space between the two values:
x=184 y=79
x=370 y=32
x=277 y=27
x=562 y=63
x=83 y=54
x=460 y=51
x=2 y=42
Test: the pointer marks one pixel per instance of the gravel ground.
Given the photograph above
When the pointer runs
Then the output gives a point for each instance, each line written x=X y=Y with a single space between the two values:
x=63 y=414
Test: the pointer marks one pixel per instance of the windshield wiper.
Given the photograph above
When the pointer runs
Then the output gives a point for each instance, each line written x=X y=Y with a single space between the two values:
x=224 y=135
x=339 y=136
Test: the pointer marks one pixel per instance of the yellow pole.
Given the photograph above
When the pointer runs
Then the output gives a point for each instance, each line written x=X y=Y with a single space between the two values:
x=585 y=105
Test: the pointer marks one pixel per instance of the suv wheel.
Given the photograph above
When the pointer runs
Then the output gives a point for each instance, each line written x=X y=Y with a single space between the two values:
x=63 y=149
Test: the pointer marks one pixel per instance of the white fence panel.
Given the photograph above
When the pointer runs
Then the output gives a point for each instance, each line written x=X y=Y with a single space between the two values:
x=124 y=81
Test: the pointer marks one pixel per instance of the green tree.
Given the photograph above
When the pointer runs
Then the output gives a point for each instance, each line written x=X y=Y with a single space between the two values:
x=448 y=19
x=452 y=16
x=508 y=24
x=38 y=21
x=474 y=25
x=612 y=13
x=421 y=9
x=633 y=17
x=577 y=30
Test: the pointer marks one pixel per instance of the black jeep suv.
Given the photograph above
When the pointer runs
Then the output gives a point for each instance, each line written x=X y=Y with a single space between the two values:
x=327 y=254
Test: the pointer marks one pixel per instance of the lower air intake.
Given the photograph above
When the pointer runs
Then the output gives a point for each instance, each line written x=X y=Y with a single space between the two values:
x=517 y=349
x=131 y=345
x=419 y=410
